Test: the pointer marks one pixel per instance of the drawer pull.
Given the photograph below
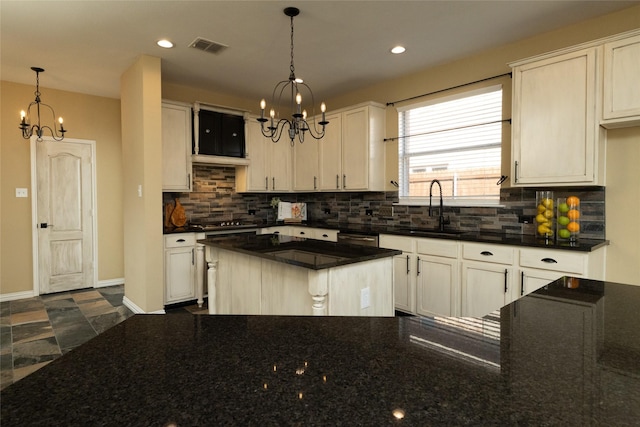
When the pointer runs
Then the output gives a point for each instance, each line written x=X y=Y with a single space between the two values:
x=302 y=233
x=486 y=253
x=549 y=260
x=325 y=235
x=180 y=241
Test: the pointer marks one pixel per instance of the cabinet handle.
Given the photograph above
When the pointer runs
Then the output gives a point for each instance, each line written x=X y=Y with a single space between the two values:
x=274 y=182
x=418 y=267
x=188 y=180
x=506 y=272
x=315 y=180
x=549 y=260
x=486 y=253
x=516 y=173
x=193 y=256
x=266 y=182
x=522 y=283
x=337 y=182
x=180 y=241
x=344 y=181
x=408 y=264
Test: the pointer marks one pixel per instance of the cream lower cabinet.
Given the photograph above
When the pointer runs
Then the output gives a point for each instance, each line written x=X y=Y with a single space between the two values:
x=426 y=275
x=487 y=277
x=180 y=262
x=404 y=271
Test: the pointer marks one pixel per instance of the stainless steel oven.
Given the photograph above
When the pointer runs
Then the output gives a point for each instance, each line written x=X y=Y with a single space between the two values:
x=358 y=239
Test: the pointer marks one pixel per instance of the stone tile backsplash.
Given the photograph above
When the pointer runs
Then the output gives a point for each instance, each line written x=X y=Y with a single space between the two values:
x=214 y=199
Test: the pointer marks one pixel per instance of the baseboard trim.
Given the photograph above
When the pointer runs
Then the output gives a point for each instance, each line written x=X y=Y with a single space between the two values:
x=110 y=282
x=137 y=310
x=16 y=295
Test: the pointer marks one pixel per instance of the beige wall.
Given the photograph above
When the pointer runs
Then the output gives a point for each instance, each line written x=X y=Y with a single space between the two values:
x=86 y=117
x=140 y=90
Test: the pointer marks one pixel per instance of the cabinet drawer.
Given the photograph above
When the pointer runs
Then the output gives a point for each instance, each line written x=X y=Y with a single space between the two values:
x=404 y=244
x=179 y=240
x=498 y=254
x=326 y=235
x=438 y=247
x=554 y=260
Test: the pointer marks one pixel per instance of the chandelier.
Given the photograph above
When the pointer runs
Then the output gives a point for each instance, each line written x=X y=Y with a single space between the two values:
x=297 y=125
x=25 y=118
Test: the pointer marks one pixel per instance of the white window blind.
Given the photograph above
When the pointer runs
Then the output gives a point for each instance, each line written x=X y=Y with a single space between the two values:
x=456 y=140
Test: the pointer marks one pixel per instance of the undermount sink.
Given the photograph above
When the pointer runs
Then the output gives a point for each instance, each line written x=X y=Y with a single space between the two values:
x=434 y=233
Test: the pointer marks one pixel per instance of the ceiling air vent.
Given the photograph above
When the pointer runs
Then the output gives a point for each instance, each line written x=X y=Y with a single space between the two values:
x=207 y=45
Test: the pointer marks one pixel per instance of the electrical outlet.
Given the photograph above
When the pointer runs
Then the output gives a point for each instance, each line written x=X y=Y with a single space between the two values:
x=22 y=192
x=386 y=211
x=365 y=297
x=525 y=219
x=369 y=212
x=252 y=211
x=327 y=211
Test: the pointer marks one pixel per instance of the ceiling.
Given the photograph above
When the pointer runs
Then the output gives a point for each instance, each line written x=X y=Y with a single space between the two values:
x=85 y=46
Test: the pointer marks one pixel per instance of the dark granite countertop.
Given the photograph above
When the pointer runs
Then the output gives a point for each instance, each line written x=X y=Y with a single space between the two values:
x=550 y=358
x=298 y=251
x=582 y=245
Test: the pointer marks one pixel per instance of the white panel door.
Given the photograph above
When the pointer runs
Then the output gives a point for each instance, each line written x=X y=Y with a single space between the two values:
x=64 y=197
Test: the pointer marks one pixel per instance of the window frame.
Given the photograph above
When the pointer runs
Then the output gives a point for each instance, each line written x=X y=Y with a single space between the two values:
x=445 y=96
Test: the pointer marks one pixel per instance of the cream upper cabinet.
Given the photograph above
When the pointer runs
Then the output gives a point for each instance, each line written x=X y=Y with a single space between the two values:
x=352 y=153
x=330 y=155
x=556 y=137
x=621 y=87
x=305 y=164
x=176 y=146
x=270 y=163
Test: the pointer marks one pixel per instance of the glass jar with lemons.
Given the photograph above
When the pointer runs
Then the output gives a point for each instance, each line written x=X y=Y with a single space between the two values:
x=545 y=216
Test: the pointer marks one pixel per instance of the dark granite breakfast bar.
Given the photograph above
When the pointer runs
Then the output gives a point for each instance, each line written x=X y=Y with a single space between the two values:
x=568 y=354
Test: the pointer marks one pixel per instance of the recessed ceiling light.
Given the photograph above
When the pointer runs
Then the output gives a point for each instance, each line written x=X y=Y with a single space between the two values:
x=165 y=43
x=398 y=49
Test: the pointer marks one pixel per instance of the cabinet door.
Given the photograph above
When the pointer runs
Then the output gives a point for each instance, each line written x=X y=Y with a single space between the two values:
x=436 y=286
x=355 y=149
x=179 y=274
x=621 y=99
x=403 y=283
x=330 y=155
x=531 y=280
x=176 y=147
x=555 y=132
x=280 y=164
x=485 y=288
x=255 y=175
x=305 y=165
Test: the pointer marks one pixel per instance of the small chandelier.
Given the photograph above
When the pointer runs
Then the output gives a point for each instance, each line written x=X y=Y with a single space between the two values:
x=25 y=118
x=298 y=124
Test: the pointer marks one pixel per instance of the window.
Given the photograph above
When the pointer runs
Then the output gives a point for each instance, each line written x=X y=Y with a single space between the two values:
x=456 y=140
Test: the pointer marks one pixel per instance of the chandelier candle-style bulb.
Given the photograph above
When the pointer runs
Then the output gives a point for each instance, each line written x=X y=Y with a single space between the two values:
x=298 y=122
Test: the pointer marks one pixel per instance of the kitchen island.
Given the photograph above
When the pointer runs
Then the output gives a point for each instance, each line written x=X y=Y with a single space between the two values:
x=283 y=275
x=506 y=369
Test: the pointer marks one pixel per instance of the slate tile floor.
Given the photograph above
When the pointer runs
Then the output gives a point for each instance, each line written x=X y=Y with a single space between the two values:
x=35 y=331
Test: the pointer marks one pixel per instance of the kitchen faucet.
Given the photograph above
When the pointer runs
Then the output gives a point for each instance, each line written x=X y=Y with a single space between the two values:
x=441 y=219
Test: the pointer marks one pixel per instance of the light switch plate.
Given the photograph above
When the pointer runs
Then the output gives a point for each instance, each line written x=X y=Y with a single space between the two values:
x=22 y=192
